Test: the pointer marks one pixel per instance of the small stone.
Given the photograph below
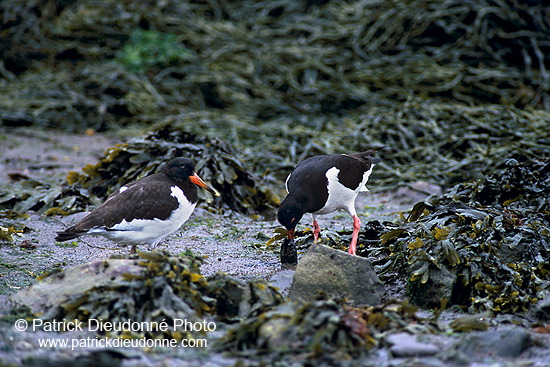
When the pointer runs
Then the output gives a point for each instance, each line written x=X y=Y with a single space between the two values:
x=542 y=309
x=337 y=273
x=406 y=345
x=282 y=280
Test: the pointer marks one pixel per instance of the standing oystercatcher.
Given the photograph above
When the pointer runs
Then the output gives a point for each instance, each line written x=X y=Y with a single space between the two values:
x=322 y=184
x=147 y=210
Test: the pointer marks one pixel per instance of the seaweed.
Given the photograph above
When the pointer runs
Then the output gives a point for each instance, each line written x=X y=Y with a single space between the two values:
x=148 y=49
x=170 y=288
x=215 y=161
x=10 y=226
x=450 y=88
x=443 y=143
x=484 y=244
x=321 y=328
x=290 y=58
x=281 y=81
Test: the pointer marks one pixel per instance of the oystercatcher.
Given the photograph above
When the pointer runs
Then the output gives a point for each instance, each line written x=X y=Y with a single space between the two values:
x=322 y=184
x=147 y=210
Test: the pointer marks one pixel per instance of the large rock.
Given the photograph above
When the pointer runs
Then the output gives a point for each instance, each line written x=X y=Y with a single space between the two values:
x=337 y=273
x=439 y=286
x=57 y=288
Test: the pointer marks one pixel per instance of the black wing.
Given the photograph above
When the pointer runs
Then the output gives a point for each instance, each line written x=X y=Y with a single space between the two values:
x=139 y=201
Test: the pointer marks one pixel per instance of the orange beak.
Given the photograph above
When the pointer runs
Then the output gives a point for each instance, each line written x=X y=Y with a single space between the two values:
x=199 y=182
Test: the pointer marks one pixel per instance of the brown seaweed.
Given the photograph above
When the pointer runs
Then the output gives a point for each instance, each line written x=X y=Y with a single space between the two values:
x=488 y=239
x=124 y=163
x=171 y=288
x=287 y=57
x=321 y=328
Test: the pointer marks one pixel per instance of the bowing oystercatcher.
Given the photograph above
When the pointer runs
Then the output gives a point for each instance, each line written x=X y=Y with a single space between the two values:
x=147 y=210
x=322 y=184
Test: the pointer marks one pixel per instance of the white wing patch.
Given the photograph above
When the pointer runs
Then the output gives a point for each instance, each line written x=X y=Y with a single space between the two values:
x=339 y=196
x=150 y=231
x=366 y=175
x=286 y=182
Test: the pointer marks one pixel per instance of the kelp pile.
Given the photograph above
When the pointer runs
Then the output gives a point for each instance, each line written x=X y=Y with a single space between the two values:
x=215 y=161
x=171 y=288
x=168 y=290
x=284 y=80
x=321 y=328
x=484 y=245
x=268 y=58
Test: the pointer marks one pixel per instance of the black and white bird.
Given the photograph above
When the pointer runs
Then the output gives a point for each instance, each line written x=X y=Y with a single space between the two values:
x=323 y=184
x=147 y=210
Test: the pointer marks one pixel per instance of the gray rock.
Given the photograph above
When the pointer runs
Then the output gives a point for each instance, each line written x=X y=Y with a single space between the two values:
x=337 y=273
x=542 y=309
x=439 y=286
x=417 y=191
x=58 y=287
x=406 y=345
x=97 y=358
x=496 y=343
x=282 y=280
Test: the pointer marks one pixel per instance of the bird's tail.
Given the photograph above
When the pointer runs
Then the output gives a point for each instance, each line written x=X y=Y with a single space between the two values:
x=67 y=235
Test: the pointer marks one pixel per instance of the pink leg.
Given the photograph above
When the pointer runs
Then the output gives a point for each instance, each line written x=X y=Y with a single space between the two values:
x=316 y=230
x=355 y=235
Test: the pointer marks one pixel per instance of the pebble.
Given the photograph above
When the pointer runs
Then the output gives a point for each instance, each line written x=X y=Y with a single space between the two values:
x=406 y=345
x=542 y=309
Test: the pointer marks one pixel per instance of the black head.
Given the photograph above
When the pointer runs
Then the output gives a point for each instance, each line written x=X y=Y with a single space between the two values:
x=179 y=169
x=289 y=216
x=182 y=170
